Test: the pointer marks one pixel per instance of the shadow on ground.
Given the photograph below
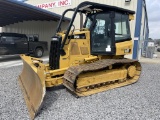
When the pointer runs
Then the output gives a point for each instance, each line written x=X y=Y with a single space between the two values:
x=50 y=98
x=7 y=58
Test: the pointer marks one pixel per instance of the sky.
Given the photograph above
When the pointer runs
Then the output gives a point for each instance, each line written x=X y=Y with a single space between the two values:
x=153 y=10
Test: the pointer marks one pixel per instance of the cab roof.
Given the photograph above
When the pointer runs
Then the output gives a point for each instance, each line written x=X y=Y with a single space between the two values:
x=90 y=6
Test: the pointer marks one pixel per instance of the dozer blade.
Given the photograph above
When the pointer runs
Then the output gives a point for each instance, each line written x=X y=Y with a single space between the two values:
x=32 y=82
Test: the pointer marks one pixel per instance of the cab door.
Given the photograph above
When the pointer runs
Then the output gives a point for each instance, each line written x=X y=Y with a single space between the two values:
x=102 y=34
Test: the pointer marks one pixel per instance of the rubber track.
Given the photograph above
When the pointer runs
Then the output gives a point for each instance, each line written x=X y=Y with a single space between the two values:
x=72 y=73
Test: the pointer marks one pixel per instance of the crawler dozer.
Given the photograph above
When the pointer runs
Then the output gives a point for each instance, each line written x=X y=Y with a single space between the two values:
x=86 y=61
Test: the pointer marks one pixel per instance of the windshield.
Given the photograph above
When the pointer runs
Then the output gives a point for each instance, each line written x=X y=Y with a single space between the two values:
x=122 y=30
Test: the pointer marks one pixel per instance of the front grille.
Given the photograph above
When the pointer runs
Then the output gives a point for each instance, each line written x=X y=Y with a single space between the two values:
x=54 y=55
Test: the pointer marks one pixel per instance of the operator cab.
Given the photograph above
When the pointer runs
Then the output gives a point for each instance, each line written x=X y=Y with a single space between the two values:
x=108 y=27
x=103 y=34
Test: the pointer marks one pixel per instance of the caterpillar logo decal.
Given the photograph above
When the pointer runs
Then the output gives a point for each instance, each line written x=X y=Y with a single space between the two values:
x=127 y=50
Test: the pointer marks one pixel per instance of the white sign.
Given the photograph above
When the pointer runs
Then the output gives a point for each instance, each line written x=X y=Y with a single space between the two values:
x=108 y=49
x=59 y=3
x=150 y=44
x=136 y=38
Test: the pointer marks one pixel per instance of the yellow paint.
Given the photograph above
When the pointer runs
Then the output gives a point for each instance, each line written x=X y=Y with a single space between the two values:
x=72 y=58
x=124 y=48
x=131 y=17
x=101 y=77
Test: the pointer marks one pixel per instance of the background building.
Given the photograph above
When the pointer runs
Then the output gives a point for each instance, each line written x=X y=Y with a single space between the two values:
x=46 y=29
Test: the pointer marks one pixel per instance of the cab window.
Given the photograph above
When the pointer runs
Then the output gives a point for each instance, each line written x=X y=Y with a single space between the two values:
x=122 y=30
x=7 y=39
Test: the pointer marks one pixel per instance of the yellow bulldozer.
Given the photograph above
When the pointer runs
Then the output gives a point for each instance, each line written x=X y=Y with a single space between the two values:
x=86 y=61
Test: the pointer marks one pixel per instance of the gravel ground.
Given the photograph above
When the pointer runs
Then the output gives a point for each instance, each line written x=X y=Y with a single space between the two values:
x=137 y=101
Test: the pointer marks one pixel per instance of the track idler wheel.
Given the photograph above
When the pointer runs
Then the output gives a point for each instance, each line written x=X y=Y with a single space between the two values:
x=131 y=71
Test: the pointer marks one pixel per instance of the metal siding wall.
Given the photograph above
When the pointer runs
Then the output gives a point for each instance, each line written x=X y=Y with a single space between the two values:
x=146 y=31
x=120 y=3
x=137 y=29
x=59 y=10
x=142 y=23
x=141 y=37
x=45 y=29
